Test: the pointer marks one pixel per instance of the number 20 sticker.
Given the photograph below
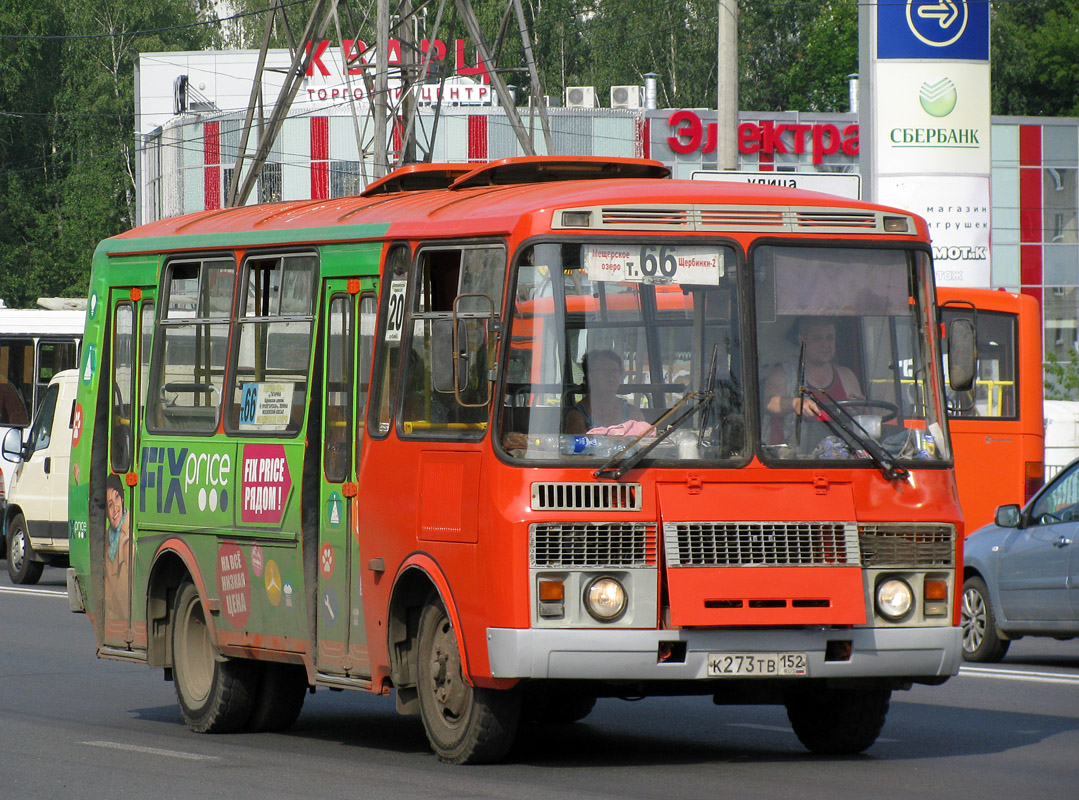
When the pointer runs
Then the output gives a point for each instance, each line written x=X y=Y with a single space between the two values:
x=395 y=311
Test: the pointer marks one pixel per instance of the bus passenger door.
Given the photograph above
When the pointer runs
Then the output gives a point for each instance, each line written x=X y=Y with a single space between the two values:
x=131 y=326
x=347 y=330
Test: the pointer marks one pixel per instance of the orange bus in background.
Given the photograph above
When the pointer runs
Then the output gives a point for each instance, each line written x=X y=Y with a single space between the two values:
x=998 y=428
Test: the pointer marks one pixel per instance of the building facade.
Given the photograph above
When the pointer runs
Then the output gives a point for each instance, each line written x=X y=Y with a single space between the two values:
x=186 y=164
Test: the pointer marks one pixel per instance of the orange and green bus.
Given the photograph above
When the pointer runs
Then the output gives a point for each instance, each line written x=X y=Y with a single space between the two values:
x=998 y=425
x=322 y=444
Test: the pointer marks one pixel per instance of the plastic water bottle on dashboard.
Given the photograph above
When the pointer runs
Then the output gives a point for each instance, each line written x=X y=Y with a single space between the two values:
x=545 y=443
x=578 y=445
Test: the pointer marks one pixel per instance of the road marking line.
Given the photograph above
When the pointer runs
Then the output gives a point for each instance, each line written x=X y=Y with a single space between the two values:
x=1018 y=675
x=154 y=751
x=35 y=592
x=758 y=727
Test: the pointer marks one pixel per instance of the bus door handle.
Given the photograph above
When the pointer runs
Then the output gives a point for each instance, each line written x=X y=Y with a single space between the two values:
x=48 y=464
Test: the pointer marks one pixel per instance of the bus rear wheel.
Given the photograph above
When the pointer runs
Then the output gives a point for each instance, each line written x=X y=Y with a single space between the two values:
x=837 y=721
x=465 y=724
x=215 y=695
x=21 y=568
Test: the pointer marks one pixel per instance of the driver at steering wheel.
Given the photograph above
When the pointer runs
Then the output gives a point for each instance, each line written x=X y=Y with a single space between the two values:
x=823 y=378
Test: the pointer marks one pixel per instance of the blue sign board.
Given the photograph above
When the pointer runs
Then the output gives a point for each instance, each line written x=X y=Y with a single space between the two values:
x=938 y=29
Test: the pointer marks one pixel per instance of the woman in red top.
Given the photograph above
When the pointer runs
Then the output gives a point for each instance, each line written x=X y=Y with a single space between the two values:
x=823 y=377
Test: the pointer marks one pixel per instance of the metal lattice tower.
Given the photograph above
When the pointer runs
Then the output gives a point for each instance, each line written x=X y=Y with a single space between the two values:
x=409 y=22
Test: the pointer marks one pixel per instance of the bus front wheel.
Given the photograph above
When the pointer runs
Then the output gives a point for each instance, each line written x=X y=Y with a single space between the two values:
x=215 y=695
x=837 y=721
x=465 y=724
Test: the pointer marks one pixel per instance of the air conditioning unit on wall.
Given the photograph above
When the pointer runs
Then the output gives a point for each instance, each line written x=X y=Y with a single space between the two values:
x=580 y=97
x=627 y=96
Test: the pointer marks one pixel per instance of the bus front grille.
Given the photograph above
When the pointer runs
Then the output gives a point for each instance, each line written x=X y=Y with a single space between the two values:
x=907 y=544
x=806 y=544
x=764 y=544
x=574 y=545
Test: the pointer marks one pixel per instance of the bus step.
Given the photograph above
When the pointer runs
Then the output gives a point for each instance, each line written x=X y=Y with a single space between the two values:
x=341 y=681
x=138 y=656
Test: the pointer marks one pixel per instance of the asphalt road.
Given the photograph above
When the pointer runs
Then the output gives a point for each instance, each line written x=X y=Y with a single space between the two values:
x=74 y=726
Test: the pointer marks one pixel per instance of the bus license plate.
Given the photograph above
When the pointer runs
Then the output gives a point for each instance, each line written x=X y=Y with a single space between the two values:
x=748 y=665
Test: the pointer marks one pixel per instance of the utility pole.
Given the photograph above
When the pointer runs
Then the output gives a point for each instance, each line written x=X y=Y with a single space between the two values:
x=727 y=78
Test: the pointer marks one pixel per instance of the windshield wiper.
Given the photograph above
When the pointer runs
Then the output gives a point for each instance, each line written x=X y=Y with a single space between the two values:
x=843 y=424
x=628 y=457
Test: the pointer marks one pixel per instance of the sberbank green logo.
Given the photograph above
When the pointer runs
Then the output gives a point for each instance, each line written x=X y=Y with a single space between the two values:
x=938 y=96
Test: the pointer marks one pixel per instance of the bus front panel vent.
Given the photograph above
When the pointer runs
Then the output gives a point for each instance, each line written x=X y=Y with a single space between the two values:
x=570 y=496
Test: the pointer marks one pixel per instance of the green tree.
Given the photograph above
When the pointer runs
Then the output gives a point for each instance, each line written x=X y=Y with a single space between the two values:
x=28 y=177
x=1034 y=63
x=67 y=175
x=1061 y=379
x=796 y=55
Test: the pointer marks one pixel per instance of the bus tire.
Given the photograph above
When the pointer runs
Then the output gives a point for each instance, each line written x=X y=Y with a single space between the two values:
x=215 y=694
x=279 y=698
x=981 y=641
x=465 y=724
x=21 y=568
x=837 y=721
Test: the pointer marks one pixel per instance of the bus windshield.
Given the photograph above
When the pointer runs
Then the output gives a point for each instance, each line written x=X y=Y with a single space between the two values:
x=841 y=339
x=608 y=340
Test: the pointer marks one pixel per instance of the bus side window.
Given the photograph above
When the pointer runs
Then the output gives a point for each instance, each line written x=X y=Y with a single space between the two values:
x=123 y=357
x=146 y=330
x=53 y=355
x=338 y=438
x=368 y=310
x=189 y=351
x=14 y=399
x=276 y=327
x=391 y=327
x=473 y=277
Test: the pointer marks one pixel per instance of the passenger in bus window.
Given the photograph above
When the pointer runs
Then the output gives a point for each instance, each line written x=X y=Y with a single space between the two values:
x=12 y=408
x=823 y=377
x=116 y=549
x=601 y=407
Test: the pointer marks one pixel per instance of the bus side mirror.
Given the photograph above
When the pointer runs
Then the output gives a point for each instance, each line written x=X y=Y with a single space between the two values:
x=962 y=354
x=1007 y=516
x=12 y=447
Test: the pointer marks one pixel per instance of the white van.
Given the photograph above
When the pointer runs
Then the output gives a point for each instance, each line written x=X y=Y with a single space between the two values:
x=35 y=520
x=35 y=344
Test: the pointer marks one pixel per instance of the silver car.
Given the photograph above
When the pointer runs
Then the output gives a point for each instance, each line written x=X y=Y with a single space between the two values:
x=1021 y=574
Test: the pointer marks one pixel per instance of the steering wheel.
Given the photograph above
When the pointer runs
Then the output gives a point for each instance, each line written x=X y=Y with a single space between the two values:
x=891 y=409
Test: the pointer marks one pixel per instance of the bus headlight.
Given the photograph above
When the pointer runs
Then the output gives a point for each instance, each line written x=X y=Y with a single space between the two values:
x=605 y=599
x=894 y=598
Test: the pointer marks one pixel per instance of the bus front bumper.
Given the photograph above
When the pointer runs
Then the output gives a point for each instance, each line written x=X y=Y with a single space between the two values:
x=579 y=654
